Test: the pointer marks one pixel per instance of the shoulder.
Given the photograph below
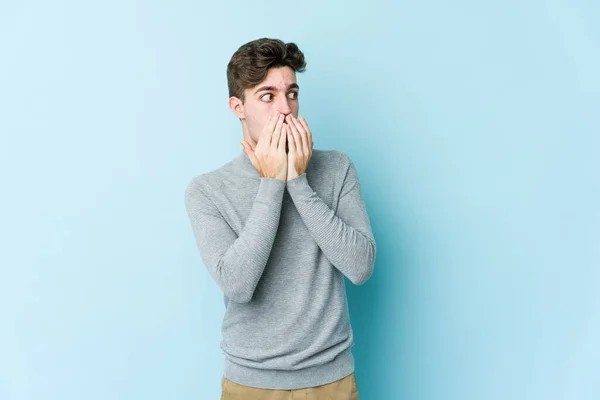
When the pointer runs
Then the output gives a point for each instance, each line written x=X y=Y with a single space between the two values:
x=333 y=160
x=331 y=157
x=207 y=182
x=213 y=179
x=196 y=190
x=330 y=167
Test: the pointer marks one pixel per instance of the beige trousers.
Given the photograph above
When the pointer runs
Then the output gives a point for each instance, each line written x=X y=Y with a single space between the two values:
x=343 y=389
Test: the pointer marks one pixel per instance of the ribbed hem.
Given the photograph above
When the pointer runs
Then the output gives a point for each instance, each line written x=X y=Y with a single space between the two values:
x=336 y=369
x=270 y=189
x=299 y=187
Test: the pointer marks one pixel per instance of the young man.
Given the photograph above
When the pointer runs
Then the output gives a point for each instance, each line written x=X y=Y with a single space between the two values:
x=278 y=228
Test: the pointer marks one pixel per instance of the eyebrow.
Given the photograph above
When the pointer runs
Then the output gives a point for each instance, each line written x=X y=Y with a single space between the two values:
x=274 y=89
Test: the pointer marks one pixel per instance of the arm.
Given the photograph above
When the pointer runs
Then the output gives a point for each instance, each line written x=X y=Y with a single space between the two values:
x=344 y=237
x=236 y=263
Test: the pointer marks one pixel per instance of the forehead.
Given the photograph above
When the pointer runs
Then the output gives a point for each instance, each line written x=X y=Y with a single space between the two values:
x=280 y=77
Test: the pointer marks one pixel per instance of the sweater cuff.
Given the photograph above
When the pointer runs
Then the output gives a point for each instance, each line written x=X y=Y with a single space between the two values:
x=299 y=187
x=270 y=189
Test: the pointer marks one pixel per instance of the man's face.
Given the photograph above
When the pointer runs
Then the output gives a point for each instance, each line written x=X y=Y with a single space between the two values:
x=278 y=92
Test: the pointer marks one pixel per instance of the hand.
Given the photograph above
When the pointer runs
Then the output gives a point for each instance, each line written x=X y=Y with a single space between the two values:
x=300 y=145
x=268 y=155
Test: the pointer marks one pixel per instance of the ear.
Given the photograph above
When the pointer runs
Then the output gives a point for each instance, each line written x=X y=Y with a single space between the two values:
x=236 y=105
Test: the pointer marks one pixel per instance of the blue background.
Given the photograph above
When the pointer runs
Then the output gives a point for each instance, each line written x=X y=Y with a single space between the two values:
x=474 y=127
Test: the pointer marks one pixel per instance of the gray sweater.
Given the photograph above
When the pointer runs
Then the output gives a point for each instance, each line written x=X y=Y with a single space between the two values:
x=279 y=251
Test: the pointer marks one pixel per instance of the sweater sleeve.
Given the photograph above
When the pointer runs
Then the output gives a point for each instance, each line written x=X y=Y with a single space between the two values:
x=236 y=263
x=345 y=237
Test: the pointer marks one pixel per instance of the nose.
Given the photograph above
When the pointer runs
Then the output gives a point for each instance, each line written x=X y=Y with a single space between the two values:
x=284 y=106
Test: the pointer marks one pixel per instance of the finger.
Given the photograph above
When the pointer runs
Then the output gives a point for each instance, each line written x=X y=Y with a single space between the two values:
x=305 y=125
x=296 y=133
x=291 y=141
x=303 y=143
x=283 y=138
x=268 y=130
x=277 y=132
x=309 y=140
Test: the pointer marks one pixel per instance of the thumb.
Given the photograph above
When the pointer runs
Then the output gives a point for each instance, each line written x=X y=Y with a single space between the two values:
x=250 y=153
x=245 y=146
x=248 y=150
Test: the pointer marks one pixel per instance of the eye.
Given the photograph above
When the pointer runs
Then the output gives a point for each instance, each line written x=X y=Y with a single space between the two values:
x=268 y=94
x=294 y=95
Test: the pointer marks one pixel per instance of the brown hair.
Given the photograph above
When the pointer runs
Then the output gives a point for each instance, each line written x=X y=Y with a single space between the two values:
x=251 y=62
